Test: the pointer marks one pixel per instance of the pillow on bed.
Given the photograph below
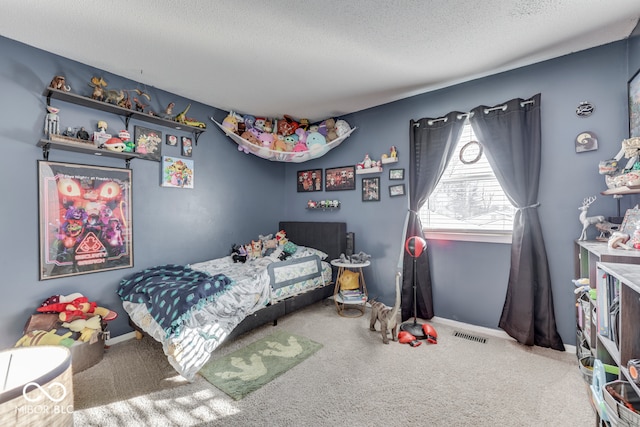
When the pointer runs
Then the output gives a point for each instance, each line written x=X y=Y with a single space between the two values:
x=306 y=251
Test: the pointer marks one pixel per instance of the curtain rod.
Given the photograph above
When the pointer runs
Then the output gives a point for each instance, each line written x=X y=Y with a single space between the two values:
x=470 y=114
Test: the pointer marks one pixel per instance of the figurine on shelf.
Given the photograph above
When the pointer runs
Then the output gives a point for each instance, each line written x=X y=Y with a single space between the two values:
x=52 y=121
x=83 y=134
x=59 y=83
x=168 y=112
x=98 y=85
x=126 y=101
x=585 y=220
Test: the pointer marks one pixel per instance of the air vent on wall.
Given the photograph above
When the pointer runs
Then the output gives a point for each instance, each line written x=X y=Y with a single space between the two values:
x=469 y=337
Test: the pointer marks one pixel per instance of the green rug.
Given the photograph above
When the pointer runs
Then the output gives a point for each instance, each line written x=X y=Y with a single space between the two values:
x=253 y=366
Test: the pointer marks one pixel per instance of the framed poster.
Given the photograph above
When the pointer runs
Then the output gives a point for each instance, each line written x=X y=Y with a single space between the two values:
x=176 y=172
x=84 y=219
x=342 y=178
x=396 y=190
x=634 y=105
x=309 y=180
x=371 y=189
x=187 y=146
x=148 y=143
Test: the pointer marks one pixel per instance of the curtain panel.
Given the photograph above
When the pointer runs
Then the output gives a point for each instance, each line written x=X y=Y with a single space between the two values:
x=432 y=143
x=511 y=136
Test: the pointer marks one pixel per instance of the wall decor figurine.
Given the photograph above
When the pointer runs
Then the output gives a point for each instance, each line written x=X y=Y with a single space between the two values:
x=586 y=141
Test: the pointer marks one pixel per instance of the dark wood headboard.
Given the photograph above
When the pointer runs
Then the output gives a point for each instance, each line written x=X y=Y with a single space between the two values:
x=329 y=237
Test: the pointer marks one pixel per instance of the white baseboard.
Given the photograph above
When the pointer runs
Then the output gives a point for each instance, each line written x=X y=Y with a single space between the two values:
x=498 y=333
x=121 y=338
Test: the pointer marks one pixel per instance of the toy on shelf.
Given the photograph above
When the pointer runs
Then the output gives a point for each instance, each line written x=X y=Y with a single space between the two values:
x=585 y=220
x=284 y=139
x=368 y=166
x=629 y=176
x=59 y=83
x=323 y=204
x=392 y=157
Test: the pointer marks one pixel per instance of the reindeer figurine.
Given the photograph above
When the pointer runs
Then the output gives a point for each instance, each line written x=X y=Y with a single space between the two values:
x=588 y=220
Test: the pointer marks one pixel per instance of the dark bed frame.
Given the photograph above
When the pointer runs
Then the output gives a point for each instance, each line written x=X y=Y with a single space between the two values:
x=329 y=237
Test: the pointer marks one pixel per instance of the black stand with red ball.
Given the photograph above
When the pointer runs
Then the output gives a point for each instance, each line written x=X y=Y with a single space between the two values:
x=414 y=246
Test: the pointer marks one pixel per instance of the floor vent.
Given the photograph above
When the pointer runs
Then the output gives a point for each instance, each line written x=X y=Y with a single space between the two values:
x=469 y=337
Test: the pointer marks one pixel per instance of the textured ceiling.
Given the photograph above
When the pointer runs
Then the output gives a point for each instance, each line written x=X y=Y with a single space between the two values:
x=312 y=59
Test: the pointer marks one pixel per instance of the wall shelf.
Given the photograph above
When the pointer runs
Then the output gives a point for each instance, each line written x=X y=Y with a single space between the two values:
x=128 y=114
x=83 y=147
x=631 y=189
x=375 y=169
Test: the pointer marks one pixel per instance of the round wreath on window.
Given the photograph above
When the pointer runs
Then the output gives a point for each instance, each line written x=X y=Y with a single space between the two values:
x=471 y=152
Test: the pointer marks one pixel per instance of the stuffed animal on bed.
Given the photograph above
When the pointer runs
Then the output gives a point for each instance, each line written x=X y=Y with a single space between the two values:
x=288 y=249
x=256 y=248
x=238 y=253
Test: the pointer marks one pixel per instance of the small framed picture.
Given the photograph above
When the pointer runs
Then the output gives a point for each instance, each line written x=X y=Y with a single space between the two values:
x=176 y=172
x=172 y=140
x=148 y=143
x=396 y=174
x=310 y=180
x=371 y=189
x=187 y=146
x=396 y=190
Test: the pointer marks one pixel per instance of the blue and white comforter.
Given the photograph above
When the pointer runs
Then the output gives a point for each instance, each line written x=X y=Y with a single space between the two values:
x=189 y=346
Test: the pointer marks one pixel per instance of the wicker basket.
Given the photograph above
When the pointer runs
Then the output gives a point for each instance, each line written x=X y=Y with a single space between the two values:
x=626 y=416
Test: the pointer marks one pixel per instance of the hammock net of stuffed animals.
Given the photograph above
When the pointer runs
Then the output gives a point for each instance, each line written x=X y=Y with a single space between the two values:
x=266 y=151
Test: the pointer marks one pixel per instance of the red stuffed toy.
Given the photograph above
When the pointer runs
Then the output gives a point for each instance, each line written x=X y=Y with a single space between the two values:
x=76 y=309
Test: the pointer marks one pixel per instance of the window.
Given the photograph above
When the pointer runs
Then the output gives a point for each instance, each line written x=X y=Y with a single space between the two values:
x=468 y=200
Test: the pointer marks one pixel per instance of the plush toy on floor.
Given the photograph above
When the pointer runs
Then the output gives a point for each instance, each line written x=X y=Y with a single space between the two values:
x=34 y=338
x=86 y=327
x=387 y=316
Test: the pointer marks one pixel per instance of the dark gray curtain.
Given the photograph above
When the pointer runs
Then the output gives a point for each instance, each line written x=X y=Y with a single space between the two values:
x=510 y=135
x=432 y=143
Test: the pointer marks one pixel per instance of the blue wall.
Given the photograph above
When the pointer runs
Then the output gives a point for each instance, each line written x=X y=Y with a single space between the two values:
x=238 y=196
x=469 y=279
x=171 y=225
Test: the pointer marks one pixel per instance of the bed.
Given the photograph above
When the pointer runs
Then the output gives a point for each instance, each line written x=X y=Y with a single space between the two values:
x=192 y=309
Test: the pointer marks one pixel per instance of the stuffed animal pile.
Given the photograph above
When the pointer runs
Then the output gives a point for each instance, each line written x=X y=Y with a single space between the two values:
x=64 y=320
x=268 y=245
x=285 y=134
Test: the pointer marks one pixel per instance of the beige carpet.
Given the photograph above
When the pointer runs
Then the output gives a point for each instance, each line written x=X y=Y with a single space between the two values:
x=354 y=380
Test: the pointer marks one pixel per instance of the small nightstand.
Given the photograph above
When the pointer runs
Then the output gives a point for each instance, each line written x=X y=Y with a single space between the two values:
x=344 y=305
